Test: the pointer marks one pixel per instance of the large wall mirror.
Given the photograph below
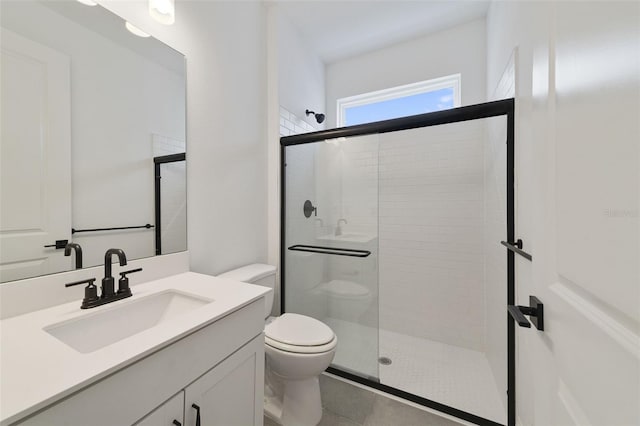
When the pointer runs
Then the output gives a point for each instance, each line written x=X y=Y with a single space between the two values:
x=92 y=139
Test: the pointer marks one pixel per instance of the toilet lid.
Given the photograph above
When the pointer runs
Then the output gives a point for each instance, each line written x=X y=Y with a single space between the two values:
x=345 y=288
x=298 y=330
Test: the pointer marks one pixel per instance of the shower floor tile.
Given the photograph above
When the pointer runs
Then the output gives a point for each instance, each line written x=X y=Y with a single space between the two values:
x=448 y=374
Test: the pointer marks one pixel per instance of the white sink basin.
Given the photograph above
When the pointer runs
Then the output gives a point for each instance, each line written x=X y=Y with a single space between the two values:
x=94 y=331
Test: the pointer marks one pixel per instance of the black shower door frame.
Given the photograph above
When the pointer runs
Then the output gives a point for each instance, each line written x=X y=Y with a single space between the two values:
x=505 y=107
x=157 y=174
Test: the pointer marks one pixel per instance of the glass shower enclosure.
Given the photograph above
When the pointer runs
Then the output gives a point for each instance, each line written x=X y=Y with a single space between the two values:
x=391 y=236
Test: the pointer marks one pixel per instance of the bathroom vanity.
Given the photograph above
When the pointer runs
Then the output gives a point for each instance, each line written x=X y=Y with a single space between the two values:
x=183 y=345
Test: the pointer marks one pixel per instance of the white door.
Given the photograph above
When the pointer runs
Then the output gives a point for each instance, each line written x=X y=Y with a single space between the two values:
x=35 y=155
x=584 y=368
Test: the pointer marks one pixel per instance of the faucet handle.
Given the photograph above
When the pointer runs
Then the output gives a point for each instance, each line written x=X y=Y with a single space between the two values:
x=90 y=292
x=89 y=281
x=123 y=274
x=123 y=283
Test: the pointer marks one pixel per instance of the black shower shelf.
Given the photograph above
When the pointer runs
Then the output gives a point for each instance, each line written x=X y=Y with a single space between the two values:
x=336 y=251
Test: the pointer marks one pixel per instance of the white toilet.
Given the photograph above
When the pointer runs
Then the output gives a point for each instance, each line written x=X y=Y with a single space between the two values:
x=297 y=348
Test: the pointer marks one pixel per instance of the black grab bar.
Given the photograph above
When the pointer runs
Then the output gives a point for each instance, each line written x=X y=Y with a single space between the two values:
x=330 y=250
x=76 y=231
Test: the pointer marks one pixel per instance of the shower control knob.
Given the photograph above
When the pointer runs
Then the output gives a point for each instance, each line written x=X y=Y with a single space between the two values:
x=309 y=208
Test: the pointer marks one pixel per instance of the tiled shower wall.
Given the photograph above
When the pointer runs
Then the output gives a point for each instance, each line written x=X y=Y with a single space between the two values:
x=291 y=124
x=422 y=193
x=429 y=186
x=431 y=233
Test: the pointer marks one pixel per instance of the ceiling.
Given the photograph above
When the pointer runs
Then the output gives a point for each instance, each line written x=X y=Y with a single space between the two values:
x=336 y=29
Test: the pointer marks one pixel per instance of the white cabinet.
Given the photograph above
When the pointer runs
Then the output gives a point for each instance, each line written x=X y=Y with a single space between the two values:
x=231 y=394
x=221 y=366
x=167 y=414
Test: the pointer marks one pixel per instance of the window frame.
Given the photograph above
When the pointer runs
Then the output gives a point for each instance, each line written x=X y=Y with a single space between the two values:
x=453 y=81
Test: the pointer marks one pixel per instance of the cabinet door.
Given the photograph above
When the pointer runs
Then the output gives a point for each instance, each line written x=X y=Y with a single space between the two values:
x=230 y=394
x=167 y=414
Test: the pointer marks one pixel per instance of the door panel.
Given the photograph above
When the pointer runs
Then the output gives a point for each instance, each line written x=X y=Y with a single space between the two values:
x=230 y=394
x=35 y=158
x=586 y=256
x=339 y=177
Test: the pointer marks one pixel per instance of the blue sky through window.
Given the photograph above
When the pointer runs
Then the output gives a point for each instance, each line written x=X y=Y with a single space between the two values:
x=420 y=103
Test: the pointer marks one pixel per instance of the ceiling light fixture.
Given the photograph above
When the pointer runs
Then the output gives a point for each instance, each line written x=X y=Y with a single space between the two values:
x=135 y=30
x=163 y=11
x=88 y=2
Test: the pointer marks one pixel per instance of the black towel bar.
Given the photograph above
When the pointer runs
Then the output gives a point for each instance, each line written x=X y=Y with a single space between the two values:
x=76 y=231
x=330 y=250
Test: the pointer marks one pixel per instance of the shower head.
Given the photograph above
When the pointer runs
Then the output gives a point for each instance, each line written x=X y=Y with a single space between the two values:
x=319 y=116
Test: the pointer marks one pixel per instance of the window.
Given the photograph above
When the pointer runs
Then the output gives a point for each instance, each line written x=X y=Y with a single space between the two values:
x=411 y=99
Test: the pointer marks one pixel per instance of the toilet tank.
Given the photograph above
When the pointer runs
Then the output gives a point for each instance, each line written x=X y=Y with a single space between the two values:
x=259 y=274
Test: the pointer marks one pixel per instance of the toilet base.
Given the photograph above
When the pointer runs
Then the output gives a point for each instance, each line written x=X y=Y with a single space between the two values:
x=292 y=402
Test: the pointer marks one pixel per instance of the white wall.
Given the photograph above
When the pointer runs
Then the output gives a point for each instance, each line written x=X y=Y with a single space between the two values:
x=295 y=84
x=458 y=50
x=225 y=48
x=114 y=112
x=301 y=80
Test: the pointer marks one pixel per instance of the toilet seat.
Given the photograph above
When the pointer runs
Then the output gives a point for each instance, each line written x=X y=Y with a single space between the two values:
x=301 y=349
x=299 y=334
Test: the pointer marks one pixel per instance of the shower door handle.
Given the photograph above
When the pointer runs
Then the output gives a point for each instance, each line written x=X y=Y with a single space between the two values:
x=534 y=311
x=518 y=316
x=516 y=247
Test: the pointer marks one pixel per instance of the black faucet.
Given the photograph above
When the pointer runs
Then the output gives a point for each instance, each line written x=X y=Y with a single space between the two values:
x=108 y=281
x=91 y=299
x=76 y=247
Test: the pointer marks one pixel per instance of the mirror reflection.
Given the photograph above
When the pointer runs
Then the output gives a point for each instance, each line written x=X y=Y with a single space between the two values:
x=92 y=144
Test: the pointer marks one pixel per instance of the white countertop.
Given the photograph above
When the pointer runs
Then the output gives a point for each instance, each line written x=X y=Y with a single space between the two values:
x=36 y=369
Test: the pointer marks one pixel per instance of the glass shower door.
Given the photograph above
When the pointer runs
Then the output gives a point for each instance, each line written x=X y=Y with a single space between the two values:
x=392 y=238
x=443 y=280
x=331 y=244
